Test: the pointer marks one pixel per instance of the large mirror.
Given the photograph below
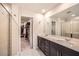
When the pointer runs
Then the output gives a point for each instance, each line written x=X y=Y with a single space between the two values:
x=66 y=23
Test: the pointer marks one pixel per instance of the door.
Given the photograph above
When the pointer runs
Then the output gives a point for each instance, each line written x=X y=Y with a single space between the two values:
x=4 y=31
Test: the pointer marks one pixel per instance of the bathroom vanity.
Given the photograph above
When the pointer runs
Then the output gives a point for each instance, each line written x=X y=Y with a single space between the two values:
x=58 y=46
x=61 y=33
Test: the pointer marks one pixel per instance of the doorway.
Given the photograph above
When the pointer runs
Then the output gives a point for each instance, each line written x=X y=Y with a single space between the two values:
x=26 y=33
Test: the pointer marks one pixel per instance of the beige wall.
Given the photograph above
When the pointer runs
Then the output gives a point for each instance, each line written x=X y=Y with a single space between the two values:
x=26 y=12
x=15 y=30
x=38 y=28
x=14 y=41
x=4 y=31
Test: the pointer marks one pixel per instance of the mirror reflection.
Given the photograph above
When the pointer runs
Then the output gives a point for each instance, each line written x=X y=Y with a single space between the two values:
x=66 y=23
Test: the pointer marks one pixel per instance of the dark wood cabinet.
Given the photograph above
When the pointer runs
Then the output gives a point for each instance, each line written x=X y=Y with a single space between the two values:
x=46 y=47
x=54 y=49
x=39 y=42
x=68 y=52
x=43 y=44
x=50 y=48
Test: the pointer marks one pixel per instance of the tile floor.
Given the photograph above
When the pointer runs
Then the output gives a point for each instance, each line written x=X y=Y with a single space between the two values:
x=24 y=44
x=27 y=51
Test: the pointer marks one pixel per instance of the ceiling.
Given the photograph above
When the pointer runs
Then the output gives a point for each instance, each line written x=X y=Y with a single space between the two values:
x=37 y=7
x=67 y=14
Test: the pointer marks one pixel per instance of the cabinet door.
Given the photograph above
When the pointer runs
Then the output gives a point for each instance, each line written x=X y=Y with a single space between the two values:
x=46 y=47
x=54 y=49
x=68 y=52
x=42 y=44
x=39 y=42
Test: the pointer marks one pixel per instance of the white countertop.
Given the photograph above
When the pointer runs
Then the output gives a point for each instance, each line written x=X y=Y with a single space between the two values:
x=72 y=43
